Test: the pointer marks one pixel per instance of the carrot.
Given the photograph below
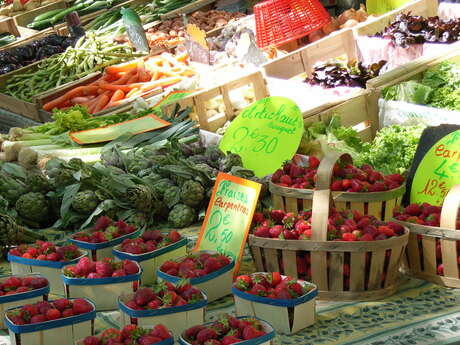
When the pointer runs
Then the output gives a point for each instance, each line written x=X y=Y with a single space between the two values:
x=117 y=95
x=124 y=88
x=122 y=67
x=130 y=93
x=161 y=82
x=78 y=91
x=182 y=57
x=81 y=100
x=170 y=59
x=101 y=103
x=133 y=79
x=155 y=75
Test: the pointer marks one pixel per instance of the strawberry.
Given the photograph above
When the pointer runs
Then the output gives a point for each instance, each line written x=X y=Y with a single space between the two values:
x=249 y=332
x=191 y=332
x=275 y=279
x=53 y=314
x=38 y=318
x=206 y=334
x=276 y=231
x=258 y=289
x=277 y=215
x=81 y=306
x=289 y=220
x=243 y=282
x=174 y=236
x=277 y=175
x=262 y=231
x=336 y=185
x=286 y=180
x=104 y=268
x=102 y=223
x=92 y=340
x=230 y=339
x=111 y=333
x=130 y=267
x=61 y=304
x=413 y=210
x=211 y=265
x=295 y=289
x=212 y=342
x=258 y=218
x=313 y=162
x=143 y=296
x=160 y=331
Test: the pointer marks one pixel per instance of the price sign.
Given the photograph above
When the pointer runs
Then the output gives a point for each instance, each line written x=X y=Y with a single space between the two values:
x=384 y=6
x=229 y=216
x=438 y=171
x=265 y=134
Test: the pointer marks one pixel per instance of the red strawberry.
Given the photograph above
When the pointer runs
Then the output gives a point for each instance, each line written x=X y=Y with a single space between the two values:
x=211 y=265
x=295 y=289
x=413 y=210
x=286 y=180
x=143 y=296
x=313 y=162
x=336 y=185
x=160 y=331
x=53 y=314
x=38 y=319
x=67 y=313
x=389 y=232
x=262 y=231
x=276 y=231
x=259 y=290
x=81 y=306
x=206 y=334
x=104 y=268
x=277 y=175
x=111 y=333
x=289 y=220
x=230 y=339
x=243 y=282
x=92 y=340
x=277 y=215
x=193 y=331
x=174 y=236
x=249 y=332
x=61 y=303
x=258 y=218
x=276 y=278
x=102 y=223
x=128 y=330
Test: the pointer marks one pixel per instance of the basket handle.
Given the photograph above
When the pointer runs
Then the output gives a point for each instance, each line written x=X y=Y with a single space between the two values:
x=322 y=194
x=450 y=208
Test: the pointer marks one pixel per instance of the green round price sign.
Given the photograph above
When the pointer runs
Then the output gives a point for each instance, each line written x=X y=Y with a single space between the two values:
x=438 y=171
x=265 y=134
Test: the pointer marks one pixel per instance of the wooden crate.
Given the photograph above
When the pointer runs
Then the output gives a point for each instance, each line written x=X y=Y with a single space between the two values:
x=360 y=112
x=189 y=8
x=7 y=24
x=372 y=266
x=28 y=16
x=197 y=100
x=421 y=260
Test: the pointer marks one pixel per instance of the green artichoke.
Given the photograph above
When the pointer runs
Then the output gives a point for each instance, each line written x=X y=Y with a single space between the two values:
x=4 y=204
x=8 y=230
x=161 y=185
x=140 y=197
x=33 y=206
x=38 y=182
x=171 y=196
x=214 y=154
x=198 y=159
x=192 y=193
x=85 y=202
x=181 y=216
x=229 y=161
x=241 y=172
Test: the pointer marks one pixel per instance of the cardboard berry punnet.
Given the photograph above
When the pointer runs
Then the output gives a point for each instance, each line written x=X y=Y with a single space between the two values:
x=433 y=251
x=105 y=235
x=179 y=306
x=102 y=281
x=212 y=277
x=167 y=247
x=20 y=290
x=287 y=304
x=49 y=265
x=58 y=322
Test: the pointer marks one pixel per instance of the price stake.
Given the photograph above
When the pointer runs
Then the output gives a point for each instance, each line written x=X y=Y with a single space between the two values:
x=265 y=134
x=229 y=216
x=438 y=171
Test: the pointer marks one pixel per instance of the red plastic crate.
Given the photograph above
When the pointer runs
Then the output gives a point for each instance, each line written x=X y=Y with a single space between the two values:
x=282 y=21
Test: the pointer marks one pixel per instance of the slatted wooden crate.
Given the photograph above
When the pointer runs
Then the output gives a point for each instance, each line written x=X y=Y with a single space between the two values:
x=420 y=260
x=372 y=265
x=27 y=17
x=198 y=100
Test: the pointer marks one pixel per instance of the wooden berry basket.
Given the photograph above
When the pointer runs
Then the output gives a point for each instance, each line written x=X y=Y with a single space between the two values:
x=420 y=260
x=151 y=261
x=378 y=204
x=278 y=311
x=373 y=265
x=177 y=318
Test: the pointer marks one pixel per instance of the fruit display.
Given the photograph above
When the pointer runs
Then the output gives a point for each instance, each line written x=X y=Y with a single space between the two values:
x=149 y=241
x=132 y=335
x=421 y=214
x=195 y=265
x=16 y=284
x=342 y=226
x=48 y=311
x=164 y=295
x=272 y=285
x=407 y=29
x=346 y=177
x=228 y=330
x=337 y=73
x=104 y=230
x=88 y=269
x=46 y=251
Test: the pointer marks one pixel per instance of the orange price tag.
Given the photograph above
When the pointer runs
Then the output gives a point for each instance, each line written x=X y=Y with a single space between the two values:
x=229 y=216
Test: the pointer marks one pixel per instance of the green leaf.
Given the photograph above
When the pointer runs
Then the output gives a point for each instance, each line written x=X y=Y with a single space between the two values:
x=69 y=193
x=14 y=170
x=103 y=206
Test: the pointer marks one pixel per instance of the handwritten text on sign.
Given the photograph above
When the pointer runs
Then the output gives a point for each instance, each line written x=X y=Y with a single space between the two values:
x=229 y=216
x=438 y=171
x=265 y=134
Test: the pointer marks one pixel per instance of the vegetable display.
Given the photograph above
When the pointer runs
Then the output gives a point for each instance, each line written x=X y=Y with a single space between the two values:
x=37 y=50
x=407 y=29
x=343 y=226
x=336 y=73
x=126 y=81
x=82 y=7
x=130 y=334
x=346 y=177
x=439 y=88
x=90 y=54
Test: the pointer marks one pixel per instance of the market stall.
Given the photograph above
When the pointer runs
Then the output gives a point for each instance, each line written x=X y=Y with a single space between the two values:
x=225 y=172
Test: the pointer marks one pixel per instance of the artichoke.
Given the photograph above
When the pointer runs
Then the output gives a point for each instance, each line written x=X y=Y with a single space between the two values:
x=192 y=193
x=161 y=185
x=33 y=206
x=85 y=202
x=241 y=172
x=207 y=169
x=8 y=230
x=3 y=205
x=38 y=182
x=181 y=216
x=229 y=161
x=198 y=159
x=140 y=197
x=214 y=154
x=171 y=196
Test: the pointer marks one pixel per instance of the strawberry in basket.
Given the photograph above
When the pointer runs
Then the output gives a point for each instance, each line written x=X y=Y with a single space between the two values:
x=422 y=214
x=149 y=241
x=14 y=285
x=346 y=177
x=104 y=230
x=86 y=268
x=46 y=251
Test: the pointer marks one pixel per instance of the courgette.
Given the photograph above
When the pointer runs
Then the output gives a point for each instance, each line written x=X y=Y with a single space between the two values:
x=47 y=15
x=95 y=6
x=61 y=15
x=40 y=25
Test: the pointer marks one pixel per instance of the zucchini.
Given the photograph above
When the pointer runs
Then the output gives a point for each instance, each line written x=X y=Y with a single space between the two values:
x=95 y=6
x=6 y=38
x=61 y=15
x=42 y=24
x=47 y=15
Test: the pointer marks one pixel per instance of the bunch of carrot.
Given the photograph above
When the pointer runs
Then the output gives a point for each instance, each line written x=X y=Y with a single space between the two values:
x=126 y=81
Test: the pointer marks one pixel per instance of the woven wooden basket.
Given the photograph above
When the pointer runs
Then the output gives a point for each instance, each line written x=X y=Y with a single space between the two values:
x=378 y=204
x=420 y=260
x=371 y=267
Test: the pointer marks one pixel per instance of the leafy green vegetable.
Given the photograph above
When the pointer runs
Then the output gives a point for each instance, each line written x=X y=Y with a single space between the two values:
x=410 y=91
